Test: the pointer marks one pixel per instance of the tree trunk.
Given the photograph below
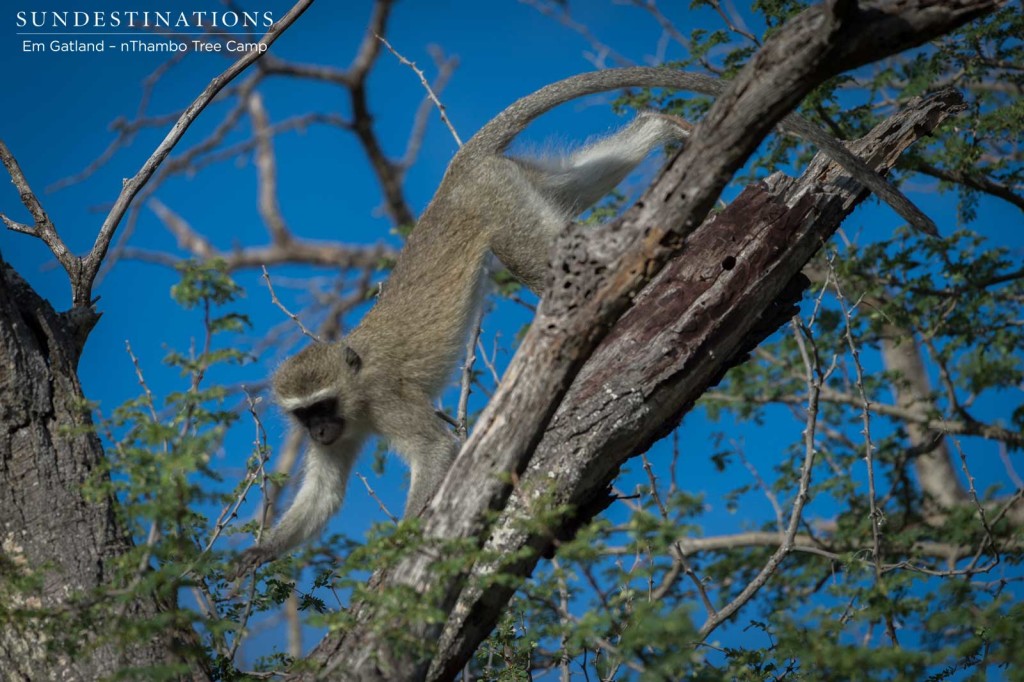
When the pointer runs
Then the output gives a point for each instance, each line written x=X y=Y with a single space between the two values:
x=49 y=531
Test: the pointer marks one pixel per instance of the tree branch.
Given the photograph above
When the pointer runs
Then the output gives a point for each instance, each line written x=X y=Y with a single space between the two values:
x=266 y=171
x=980 y=182
x=909 y=412
x=43 y=227
x=290 y=251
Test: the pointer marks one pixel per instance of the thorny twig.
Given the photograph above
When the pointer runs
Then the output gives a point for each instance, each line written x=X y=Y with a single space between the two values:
x=876 y=515
x=380 y=503
x=426 y=85
x=445 y=68
x=679 y=560
x=290 y=314
x=815 y=378
x=260 y=472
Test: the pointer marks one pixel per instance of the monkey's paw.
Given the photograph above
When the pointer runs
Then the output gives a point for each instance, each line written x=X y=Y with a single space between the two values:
x=248 y=561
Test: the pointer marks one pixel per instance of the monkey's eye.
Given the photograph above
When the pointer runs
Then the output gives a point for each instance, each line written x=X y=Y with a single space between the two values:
x=323 y=408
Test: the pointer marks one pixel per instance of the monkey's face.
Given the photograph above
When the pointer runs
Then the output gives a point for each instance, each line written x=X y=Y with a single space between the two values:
x=322 y=420
x=319 y=388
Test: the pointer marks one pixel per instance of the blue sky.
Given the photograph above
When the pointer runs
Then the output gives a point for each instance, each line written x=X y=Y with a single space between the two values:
x=64 y=103
x=59 y=107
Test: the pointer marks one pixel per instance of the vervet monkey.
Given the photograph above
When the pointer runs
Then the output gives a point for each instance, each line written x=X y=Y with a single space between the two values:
x=383 y=378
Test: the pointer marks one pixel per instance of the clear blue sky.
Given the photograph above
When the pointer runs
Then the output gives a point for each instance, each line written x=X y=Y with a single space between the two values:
x=55 y=120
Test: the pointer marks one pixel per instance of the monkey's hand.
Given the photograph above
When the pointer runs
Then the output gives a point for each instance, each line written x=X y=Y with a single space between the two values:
x=248 y=561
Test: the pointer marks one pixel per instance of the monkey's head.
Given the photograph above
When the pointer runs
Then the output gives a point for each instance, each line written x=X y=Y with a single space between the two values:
x=317 y=387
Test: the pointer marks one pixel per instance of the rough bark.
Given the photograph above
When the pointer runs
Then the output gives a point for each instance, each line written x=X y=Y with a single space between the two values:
x=47 y=525
x=599 y=275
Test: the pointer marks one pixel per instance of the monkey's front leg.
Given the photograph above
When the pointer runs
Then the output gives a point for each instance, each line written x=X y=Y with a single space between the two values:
x=423 y=440
x=325 y=476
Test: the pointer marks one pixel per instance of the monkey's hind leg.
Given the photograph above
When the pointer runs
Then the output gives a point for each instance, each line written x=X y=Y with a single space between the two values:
x=550 y=192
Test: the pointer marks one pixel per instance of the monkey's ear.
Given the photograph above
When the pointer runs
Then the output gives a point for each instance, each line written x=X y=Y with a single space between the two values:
x=352 y=359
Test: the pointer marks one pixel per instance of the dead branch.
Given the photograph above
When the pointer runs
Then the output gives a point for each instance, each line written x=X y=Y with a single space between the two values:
x=43 y=227
x=266 y=172
x=445 y=68
x=310 y=252
x=430 y=92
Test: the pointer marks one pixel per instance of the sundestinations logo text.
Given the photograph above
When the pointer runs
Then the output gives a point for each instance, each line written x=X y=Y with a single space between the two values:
x=159 y=31
x=142 y=19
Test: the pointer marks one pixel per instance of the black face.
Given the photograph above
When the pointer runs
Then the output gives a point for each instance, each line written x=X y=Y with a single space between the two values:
x=322 y=421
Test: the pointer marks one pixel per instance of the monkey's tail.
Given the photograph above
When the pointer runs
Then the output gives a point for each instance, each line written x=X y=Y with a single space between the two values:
x=499 y=132
x=496 y=135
